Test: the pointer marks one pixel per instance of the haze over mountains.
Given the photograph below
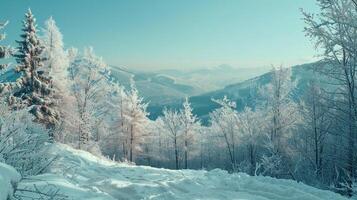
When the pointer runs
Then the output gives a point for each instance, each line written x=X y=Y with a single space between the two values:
x=168 y=88
x=167 y=85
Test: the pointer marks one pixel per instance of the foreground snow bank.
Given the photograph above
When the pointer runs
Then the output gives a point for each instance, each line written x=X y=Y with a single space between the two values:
x=8 y=178
x=80 y=175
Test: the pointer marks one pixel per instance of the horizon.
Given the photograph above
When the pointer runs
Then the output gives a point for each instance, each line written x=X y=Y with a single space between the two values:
x=157 y=35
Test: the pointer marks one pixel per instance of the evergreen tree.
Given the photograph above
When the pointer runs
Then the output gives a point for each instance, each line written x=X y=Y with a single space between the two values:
x=35 y=91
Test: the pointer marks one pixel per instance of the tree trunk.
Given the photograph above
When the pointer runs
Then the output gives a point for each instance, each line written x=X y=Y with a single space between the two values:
x=176 y=153
x=186 y=153
x=131 y=143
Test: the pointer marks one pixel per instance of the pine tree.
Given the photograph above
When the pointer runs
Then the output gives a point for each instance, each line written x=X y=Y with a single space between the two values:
x=35 y=91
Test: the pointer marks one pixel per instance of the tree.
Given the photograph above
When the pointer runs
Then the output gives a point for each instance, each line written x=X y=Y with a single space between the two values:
x=334 y=31
x=318 y=124
x=190 y=125
x=136 y=119
x=172 y=125
x=56 y=63
x=282 y=115
x=56 y=60
x=89 y=86
x=22 y=141
x=35 y=89
x=5 y=51
x=114 y=141
x=252 y=125
x=224 y=121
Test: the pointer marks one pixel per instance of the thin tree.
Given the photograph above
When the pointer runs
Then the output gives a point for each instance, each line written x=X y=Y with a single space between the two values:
x=190 y=125
x=334 y=31
x=172 y=124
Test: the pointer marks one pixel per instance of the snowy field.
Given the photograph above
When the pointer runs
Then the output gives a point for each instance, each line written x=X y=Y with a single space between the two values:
x=80 y=175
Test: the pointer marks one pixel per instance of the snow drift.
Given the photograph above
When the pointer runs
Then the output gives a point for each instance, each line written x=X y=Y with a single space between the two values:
x=81 y=175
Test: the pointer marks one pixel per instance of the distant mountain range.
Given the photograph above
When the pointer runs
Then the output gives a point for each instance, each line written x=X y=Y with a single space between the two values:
x=164 y=87
x=242 y=93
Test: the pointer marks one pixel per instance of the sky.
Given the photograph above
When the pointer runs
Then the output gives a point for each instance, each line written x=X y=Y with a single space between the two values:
x=176 y=34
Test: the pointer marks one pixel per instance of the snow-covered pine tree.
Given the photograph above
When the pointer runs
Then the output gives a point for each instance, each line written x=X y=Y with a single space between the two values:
x=35 y=85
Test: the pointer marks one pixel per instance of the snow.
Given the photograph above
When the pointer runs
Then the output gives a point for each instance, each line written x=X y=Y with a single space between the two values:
x=8 y=177
x=81 y=175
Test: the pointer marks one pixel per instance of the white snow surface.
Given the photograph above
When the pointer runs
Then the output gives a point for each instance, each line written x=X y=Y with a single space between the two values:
x=8 y=177
x=81 y=175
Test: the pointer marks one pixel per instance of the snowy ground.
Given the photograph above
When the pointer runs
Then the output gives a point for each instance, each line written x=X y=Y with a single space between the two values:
x=80 y=175
x=8 y=178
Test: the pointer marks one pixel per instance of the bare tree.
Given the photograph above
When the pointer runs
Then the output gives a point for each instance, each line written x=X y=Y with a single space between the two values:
x=335 y=32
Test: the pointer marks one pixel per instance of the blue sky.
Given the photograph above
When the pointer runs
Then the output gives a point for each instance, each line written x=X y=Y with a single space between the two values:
x=157 y=34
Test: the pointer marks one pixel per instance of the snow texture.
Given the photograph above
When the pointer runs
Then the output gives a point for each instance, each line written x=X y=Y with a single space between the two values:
x=8 y=177
x=81 y=175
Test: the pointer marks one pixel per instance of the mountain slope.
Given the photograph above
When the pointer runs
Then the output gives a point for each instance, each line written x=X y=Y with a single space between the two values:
x=241 y=92
x=154 y=87
x=80 y=175
x=214 y=78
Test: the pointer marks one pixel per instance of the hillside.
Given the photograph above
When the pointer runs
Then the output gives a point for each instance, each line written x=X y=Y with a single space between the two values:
x=80 y=175
x=163 y=87
x=154 y=87
x=241 y=92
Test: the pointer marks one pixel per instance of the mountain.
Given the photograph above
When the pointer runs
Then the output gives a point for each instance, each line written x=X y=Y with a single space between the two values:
x=156 y=88
x=241 y=93
x=214 y=78
x=76 y=174
x=167 y=87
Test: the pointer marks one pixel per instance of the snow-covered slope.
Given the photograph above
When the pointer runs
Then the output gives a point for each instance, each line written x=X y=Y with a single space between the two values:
x=8 y=178
x=80 y=175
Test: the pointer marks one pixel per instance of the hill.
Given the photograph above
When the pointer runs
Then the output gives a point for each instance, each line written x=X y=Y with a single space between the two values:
x=242 y=93
x=80 y=175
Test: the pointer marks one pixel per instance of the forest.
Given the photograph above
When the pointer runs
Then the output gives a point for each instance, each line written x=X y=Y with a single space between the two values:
x=52 y=94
